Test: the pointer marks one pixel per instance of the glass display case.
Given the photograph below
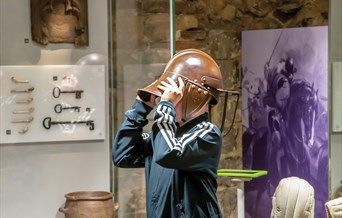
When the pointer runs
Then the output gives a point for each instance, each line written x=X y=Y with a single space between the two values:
x=140 y=48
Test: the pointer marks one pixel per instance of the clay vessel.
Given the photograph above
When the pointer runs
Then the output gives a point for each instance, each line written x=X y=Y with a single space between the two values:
x=97 y=204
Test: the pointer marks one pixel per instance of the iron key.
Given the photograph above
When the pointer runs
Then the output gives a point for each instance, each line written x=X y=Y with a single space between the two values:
x=56 y=92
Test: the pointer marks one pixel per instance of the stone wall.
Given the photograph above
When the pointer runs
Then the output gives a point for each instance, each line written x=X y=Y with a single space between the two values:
x=141 y=35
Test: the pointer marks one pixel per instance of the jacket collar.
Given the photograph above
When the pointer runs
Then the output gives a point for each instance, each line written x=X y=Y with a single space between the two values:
x=190 y=124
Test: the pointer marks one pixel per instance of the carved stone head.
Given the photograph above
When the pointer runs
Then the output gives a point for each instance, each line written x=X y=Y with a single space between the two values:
x=60 y=21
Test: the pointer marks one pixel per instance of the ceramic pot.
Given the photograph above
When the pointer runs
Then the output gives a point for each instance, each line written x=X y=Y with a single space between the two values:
x=97 y=204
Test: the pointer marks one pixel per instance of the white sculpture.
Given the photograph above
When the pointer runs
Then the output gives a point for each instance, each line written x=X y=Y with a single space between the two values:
x=293 y=198
x=334 y=208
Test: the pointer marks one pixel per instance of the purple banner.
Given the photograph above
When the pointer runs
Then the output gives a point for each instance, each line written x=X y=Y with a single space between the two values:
x=285 y=113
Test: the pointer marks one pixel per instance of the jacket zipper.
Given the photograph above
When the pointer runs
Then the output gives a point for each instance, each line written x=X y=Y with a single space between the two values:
x=179 y=205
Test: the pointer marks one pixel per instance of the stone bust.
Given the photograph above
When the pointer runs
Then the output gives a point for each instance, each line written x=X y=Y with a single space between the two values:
x=60 y=21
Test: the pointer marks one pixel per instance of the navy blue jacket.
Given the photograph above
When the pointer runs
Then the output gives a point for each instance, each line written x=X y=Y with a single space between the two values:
x=180 y=162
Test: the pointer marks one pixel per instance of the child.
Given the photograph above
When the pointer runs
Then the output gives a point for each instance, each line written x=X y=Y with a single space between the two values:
x=182 y=151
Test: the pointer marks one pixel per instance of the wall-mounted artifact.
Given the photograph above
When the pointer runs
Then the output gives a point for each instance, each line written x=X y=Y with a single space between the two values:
x=59 y=108
x=28 y=111
x=22 y=90
x=19 y=80
x=56 y=92
x=23 y=130
x=73 y=105
x=24 y=101
x=60 y=21
x=47 y=123
x=28 y=120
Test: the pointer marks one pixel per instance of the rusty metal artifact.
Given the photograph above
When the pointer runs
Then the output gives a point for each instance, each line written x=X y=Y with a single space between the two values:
x=89 y=205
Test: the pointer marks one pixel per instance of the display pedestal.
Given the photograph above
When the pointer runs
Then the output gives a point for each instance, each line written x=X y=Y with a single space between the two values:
x=241 y=176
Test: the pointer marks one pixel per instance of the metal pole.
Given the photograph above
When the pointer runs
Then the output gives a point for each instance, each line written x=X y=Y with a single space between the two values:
x=172 y=28
x=241 y=199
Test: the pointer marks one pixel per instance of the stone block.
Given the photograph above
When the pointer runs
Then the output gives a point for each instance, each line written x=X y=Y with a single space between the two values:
x=228 y=13
x=157 y=27
x=185 y=22
x=199 y=44
x=194 y=34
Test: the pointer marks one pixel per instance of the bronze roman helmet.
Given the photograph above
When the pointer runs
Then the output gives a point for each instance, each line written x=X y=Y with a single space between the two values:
x=202 y=78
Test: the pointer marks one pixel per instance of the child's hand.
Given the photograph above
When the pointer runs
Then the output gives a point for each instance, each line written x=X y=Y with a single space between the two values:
x=172 y=92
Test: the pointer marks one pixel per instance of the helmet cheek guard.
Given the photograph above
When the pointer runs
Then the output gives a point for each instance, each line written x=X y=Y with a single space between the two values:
x=194 y=98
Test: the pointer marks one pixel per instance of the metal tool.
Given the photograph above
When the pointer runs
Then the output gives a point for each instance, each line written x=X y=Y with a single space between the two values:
x=47 y=123
x=24 y=130
x=22 y=90
x=56 y=92
x=28 y=111
x=59 y=108
x=24 y=101
x=28 y=120
x=19 y=80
